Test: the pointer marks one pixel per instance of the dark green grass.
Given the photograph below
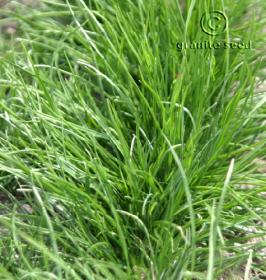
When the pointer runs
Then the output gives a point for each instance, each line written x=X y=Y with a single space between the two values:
x=139 y=160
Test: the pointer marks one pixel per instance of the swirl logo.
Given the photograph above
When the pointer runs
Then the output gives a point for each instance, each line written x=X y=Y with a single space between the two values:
x=214 y=23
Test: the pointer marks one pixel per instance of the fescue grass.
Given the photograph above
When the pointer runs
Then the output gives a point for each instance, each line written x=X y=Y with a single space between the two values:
x=138 y=160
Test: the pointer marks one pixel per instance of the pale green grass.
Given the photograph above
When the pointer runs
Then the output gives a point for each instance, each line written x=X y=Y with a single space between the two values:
x=133 y=155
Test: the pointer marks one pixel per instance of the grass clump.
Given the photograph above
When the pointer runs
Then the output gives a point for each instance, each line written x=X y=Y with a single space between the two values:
x=136 y=160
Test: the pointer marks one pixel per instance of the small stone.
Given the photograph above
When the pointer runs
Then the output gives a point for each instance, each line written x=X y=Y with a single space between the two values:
x=27 y=208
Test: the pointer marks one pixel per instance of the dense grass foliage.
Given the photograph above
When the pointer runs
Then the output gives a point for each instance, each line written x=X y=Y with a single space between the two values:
x=136 y=160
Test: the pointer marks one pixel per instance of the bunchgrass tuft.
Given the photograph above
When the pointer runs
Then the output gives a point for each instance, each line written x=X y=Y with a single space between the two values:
x=123 y=156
